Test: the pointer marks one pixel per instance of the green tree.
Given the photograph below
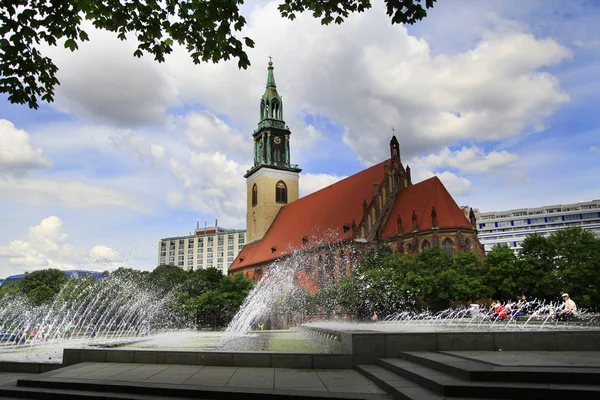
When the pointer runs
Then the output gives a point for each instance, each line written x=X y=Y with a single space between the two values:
x=213 y=305
x=207 y=29
x=577 y=263
x=378 y=284
x=434 y=277
x=502 y=274
x=537 y=270
x=41 y=295
x=165 y=278
x=54 y=279
x=469 y=280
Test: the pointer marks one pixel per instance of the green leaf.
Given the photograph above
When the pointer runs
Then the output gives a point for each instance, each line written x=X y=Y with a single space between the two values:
x=71 y=44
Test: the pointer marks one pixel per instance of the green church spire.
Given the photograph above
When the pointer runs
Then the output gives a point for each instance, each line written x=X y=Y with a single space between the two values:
x=271 y=103
x=272 y=137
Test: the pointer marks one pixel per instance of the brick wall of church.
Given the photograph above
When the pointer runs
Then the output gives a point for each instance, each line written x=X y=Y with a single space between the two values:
x=339 y=259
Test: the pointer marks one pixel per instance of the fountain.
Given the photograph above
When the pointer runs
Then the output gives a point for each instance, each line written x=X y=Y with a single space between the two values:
x=112 y=310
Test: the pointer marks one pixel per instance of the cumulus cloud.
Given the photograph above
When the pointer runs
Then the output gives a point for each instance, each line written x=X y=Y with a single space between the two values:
x=208 y=133
x=128 y=142
x=48 y=246
x=310 y=183
x=103 y=82
x=456 y=185
x=66 y=193
x=16 y=152
x=368 y=76
x=213 y=185
x=469 y=159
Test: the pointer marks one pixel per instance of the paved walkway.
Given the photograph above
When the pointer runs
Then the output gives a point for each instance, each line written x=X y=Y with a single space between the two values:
x=327 y=380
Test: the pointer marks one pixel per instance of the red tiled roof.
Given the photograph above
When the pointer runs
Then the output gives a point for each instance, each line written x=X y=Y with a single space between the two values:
x=421 y=197
x=320 y=217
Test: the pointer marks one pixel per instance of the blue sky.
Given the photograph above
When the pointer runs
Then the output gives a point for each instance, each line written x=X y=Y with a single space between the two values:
x=499 y=99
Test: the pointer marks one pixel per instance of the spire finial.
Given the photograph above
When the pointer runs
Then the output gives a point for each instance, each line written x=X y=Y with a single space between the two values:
x=270 y=76
x=393 y=131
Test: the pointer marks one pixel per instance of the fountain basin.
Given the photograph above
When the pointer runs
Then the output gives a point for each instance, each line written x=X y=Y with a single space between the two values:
x=367 y=342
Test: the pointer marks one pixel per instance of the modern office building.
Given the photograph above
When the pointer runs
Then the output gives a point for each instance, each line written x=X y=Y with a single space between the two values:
x=209 y=247
x=512 y=227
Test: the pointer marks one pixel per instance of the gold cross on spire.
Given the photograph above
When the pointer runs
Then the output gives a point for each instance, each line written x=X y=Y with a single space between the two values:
x=393 y=131
x=270 y=60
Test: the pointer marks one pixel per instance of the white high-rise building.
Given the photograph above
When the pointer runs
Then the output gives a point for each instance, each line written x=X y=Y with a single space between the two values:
x=209 y=247
x=511 y=227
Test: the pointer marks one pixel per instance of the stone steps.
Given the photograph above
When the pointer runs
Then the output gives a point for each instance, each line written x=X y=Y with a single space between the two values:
x=468 y=369
x=440 y=376
x=55 y=388
x=63 y=394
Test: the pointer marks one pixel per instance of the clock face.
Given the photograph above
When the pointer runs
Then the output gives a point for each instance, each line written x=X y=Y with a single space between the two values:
x=277 y=140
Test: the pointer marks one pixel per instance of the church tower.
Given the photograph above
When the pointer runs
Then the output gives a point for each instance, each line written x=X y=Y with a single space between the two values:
x=272 y=182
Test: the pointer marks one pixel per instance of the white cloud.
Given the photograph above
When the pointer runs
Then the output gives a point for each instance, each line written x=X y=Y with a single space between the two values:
x=469 y=159
x=213 y=185
x=310 y=183
x=49 y=247
x=103 y=255
x=594 y=149
x=16 y=152
x=103 y=82
x=128 y=142
x=365 y=75
x=66 y=193
x=456 y=185
x=208 y=133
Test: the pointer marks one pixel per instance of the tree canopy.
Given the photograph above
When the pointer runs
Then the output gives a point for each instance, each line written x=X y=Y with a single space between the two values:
x=198 y=298
x=209 y=31
x=565 y=261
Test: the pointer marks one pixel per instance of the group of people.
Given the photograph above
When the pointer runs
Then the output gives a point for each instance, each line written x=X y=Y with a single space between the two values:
x=514 y=310
x=21 y=336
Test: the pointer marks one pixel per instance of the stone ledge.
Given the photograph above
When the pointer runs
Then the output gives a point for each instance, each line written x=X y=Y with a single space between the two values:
x=210 y=358
x=28 y=367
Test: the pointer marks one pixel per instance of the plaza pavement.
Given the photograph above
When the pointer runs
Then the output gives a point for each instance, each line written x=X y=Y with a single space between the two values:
x=215 y=380
x=416 y=375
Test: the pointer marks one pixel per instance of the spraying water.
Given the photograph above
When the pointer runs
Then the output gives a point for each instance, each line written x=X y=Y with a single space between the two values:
x=111 y=309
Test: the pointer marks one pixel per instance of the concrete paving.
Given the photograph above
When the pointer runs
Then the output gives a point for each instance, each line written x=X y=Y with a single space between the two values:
x=315 y=380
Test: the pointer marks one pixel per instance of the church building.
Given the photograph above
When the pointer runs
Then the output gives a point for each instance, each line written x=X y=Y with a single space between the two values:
x=335 y=225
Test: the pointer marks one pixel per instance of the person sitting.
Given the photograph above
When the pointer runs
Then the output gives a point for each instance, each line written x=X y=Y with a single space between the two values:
x=499 y=312
x=374 y=317
x=514 y=310
x=569 y=309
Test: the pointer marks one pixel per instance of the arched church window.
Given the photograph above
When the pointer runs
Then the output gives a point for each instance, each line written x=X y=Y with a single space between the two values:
x=467 y=244
x=254 y=195
x=448 y=246
x=281 y=192
x=262 y=109
x=275 y=109
x=425 y=245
